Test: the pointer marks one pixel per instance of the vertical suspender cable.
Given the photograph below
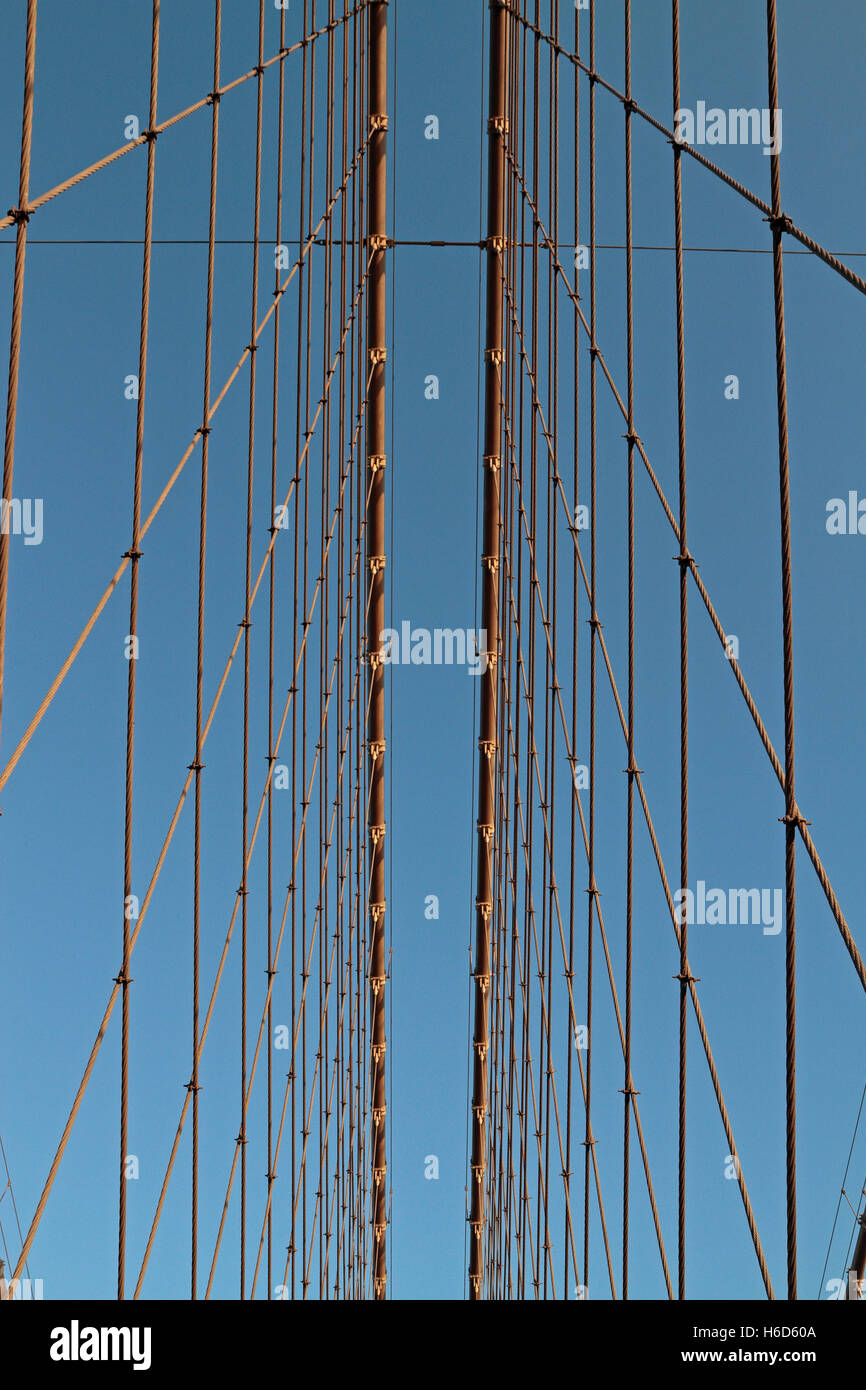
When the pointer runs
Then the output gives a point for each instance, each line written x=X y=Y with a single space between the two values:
x=684 y=976
x=134 y=556
x=197 y=765
x=792 y=817
x=21 y=216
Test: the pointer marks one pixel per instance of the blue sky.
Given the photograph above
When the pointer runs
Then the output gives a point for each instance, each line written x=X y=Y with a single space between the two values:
x=62 y=810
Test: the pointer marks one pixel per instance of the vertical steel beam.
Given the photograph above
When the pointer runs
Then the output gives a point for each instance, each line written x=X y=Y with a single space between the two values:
x=487 y=745
x=377 y=242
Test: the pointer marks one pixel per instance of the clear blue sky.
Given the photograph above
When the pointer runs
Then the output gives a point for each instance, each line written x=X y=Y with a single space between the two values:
x=62 y=819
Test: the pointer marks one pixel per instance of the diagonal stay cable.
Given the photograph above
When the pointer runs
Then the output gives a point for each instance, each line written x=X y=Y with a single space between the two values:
x=784 y=223
x=119 y=572
x=15 y=214
x=802 y=824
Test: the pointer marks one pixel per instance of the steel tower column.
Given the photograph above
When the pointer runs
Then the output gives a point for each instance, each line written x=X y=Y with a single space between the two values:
x=487 y=744
x=377 y=242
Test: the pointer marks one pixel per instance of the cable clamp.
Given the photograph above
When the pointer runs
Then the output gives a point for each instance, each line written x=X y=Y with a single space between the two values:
x=378 y=123
x=378 y=1050
x=132 y=554
x=204 y=431
x=794 y=819
x=686 y=559
x=378 y=355
x=213 y=98
x=484 y=907
x=688 y=978
x=487 y=831
x=493 y=462
x=483 y=982
x=496 y=243
x=495 y=355
x=377 y=833
x=377 y=910
x=628 y=1091
x=19 y=216
x=378 y=243
x=377 y=748
x=595 y=624
x=490 y=562
x=377 y=461
x=377 y=563
x=488 y=746
x=497 y=125
x=780 y=222
x=379 y=1176
x=195 y=767
x=633 y=770
x=478 y=1170
x=379 y=1113
x=630 y=105
x=632 y=438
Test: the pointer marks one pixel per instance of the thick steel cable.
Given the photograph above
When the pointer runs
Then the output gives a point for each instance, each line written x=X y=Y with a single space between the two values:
x=684 y=657
x=154 y=512
x=20 y=216
x=36 y=203
x=801 y=823
x=134 y=555
x=786 y=224
x=377 y=233
x=791 y=813
x=490 y=624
